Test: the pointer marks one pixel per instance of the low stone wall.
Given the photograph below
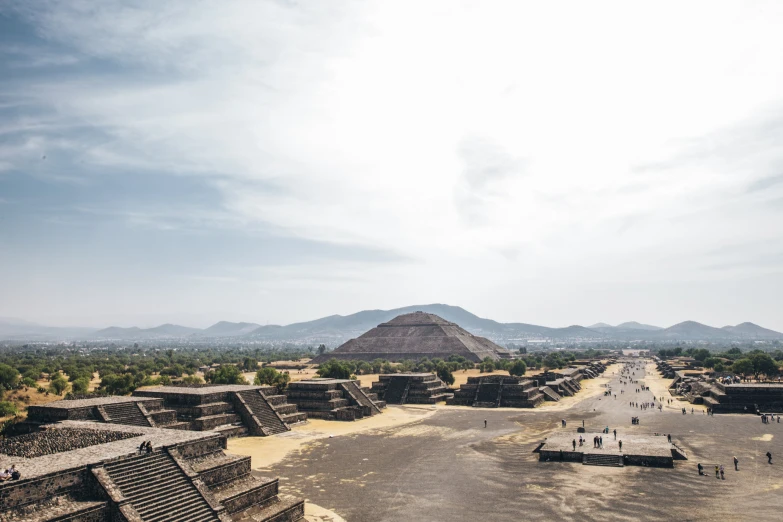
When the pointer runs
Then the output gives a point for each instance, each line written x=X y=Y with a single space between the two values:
x=224 y=473
x=14 y=494
x=249 y=498
x=58 y=440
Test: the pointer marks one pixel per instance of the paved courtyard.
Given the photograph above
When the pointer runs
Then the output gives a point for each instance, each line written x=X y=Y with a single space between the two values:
x=449 y=467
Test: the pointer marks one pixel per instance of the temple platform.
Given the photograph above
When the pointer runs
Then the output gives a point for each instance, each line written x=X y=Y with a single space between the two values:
x=637 y=450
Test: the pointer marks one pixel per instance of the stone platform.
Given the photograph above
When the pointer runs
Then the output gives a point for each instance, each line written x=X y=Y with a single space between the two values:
x=334 y=399
x=186 y=477
x=411 y=388
x=638 y=450
x=495 y=391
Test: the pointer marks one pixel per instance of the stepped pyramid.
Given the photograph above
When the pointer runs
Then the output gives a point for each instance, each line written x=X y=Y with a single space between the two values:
x=416 y=336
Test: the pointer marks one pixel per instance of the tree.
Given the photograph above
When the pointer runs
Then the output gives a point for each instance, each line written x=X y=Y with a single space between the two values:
x=192 y=379
x=763 y=363
x=250 y=364
x=321 y=349
x=226 y=374
x=8 y=377
x=118 y=384
x=517 y=368
x=743 y=367
x=58 y=384
x=710 y=362
x=719 y=366
x=444 y=374
x=334 y=369
x=80 y=386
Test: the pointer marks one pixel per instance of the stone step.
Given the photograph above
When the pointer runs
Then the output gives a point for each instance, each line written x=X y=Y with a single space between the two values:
x=594 y=459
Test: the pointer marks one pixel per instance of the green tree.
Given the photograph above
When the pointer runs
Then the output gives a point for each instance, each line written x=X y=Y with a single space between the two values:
x=9 y=377
x=743 y=367
x=192 y=379
x=710 y=362
x=118 y=384
x=719 y=366
x=226 y=374
x=763 y=363
x=58 y=384
x=334 y=369
x=80 y=386
x=250 y=364
x=517 y=368
x=444 y=374
x=321 y=349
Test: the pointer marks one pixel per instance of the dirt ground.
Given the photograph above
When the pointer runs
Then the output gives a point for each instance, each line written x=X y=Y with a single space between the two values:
x=441 y=464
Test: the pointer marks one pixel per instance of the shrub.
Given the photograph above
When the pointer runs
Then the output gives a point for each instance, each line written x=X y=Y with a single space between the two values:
x=334 y=369
x=226 y=374
x=7 y=408
x=517 y=368
x=58 y=384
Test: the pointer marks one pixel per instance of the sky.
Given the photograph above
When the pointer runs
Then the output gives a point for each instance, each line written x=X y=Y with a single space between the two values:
x=552 y=163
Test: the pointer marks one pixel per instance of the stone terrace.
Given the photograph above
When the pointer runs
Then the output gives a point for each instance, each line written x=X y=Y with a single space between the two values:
x=138 y=411
x=494 y=391
x=411 y=388
x=233 y=410
x=334 y=399
x=187 y=478
x=640 y=450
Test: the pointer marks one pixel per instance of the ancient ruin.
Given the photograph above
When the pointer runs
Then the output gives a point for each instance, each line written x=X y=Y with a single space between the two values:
x=97 y=473
x=495 y=391
x=411 y=388
x=416 y=336
x=630 y=450
x=233 y=410
x=334 y=399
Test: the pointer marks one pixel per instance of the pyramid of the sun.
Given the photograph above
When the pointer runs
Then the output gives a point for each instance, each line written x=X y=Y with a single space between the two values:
x=416 y=336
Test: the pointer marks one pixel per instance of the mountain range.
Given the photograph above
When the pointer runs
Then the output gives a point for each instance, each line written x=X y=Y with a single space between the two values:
x=338 y=328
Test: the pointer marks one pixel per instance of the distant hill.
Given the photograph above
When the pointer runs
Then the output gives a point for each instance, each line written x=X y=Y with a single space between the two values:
x=633 y=325
x=752 y=331
x=228 y=329
x=691 y=330
x=336 y=329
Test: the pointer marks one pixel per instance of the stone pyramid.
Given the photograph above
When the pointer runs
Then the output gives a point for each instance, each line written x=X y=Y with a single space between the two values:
x=416 y=336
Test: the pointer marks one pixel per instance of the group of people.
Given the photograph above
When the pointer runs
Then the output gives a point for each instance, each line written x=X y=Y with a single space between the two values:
x=146 y=446
x=767 y=418
x=10 y=474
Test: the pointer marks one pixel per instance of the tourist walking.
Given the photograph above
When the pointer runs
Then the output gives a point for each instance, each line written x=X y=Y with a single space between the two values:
x=615 y=434
x=717 y=471
x=736 y=464
x=769 y=457
x=722 y=470
x=485 y=423
x=620 y=444
x=573 y=443
x=700 y=468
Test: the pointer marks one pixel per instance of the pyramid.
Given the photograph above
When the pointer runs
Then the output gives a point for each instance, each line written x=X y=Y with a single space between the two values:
x=416 y=336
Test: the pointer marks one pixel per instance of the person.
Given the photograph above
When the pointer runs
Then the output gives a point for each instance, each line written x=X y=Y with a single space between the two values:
x=15 y=475
x=4 y=475
x=149 y=447
x=722 y=470
x=485 y=423
x=600 y=442
x=717 y=471
x=615 y=434
x=736 y=463
x=142 y=446
x=700 y=468
x=573 y=443
x=669 y=436
x=620 y=443
x=769 y=457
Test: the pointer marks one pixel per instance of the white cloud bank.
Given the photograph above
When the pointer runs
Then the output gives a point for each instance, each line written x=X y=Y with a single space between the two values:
x=546 y=162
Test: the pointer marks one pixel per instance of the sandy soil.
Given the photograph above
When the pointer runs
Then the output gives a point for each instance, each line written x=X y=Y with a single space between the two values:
x=266 y=451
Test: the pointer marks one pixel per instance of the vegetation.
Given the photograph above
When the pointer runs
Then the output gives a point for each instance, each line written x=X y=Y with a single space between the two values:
x=226 y=374
x=270 y=377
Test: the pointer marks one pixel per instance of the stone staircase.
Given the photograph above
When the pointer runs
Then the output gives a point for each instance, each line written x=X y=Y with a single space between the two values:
x=159 y=490
x=396 y=390
x=264 y=412
x=549 y=394
x=360 y=396
x=599 y=459
x=125 y=413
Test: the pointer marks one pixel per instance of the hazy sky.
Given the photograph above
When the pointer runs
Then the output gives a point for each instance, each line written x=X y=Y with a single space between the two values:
x=543 y=162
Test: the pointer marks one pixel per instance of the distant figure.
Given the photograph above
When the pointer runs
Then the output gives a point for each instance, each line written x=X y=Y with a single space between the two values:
x=485 y=423
x=573 y=443
x=736 y=464
x=142 y=446
x=149 y=447
x=717 y=471
x=700 y=468
x=615 y=435
x=722 y=471
x=620 y=443
x=15 y=475
x=769 y=457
